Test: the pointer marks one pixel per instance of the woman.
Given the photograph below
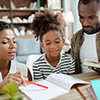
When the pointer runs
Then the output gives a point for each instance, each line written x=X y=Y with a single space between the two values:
x=10 y=71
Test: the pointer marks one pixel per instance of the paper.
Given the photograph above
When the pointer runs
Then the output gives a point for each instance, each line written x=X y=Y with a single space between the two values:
x=39 y=93
x=58 y=84
x=91 y=63
x=64 y=81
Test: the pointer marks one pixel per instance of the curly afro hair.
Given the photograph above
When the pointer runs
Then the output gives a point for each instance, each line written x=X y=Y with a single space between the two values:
x=47 y=20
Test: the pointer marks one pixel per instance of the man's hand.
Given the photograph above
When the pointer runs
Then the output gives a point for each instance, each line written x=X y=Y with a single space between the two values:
x=95 y=69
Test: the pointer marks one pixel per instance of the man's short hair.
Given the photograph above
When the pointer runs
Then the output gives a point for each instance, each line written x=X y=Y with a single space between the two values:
x=88 y=1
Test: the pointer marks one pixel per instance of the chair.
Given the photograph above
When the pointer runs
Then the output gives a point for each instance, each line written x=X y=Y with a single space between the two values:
x=29 y=62
x=27 y=47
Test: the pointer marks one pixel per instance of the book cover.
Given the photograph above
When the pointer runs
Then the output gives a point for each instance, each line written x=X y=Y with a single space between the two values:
x=58 y=84
x=91 y=63
x=91 y=91
x=96 y=88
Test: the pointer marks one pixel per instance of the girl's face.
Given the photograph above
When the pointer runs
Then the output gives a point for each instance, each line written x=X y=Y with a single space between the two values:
x=52 y=42
x=8 y=46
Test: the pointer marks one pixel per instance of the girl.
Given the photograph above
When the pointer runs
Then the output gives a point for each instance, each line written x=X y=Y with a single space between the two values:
x=50 y=28
x=10 y=71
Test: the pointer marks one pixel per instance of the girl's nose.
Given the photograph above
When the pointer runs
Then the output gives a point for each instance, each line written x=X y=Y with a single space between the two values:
x=53 y=45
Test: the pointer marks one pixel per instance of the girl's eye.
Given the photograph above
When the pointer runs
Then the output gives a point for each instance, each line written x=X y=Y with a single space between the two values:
x=57 y=42
x=47 y=43
x=4 y=42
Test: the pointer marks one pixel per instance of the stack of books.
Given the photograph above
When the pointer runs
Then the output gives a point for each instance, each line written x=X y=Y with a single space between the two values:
x=94 y=89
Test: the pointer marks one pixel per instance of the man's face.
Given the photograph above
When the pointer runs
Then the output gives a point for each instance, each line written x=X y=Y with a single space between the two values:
x=89 y=16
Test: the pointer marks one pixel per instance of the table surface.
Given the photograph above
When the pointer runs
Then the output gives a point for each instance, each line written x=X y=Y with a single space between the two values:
x=74 y=94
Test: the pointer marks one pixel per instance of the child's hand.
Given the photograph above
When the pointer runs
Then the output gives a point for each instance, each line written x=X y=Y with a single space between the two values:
x=18 y=78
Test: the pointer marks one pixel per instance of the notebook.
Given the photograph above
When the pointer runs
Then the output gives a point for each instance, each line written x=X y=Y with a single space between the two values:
x=91 y=63
x=91 y=91
x=96 y=88
x=58 y=84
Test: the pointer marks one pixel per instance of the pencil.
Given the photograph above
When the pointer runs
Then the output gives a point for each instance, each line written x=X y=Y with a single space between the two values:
x=80 y=92
x=36 y=84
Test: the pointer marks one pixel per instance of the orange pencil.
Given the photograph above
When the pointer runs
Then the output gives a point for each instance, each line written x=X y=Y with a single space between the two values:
x=80 y=92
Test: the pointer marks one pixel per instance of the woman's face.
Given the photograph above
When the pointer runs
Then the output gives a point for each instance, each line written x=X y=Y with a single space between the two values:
x=8 y=46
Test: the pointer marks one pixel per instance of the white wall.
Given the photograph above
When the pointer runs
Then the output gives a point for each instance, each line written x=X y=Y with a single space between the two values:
x=68 y=5
x=72 y=5
x=77 y=24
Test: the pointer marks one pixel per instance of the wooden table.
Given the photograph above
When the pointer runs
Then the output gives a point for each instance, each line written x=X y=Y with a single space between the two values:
x=74 y=94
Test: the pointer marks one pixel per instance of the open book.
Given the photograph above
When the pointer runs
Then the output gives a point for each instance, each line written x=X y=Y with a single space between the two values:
x=91 y=63
x=57 y=84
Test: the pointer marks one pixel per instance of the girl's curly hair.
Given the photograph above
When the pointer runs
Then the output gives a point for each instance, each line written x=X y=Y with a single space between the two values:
x=46 y=21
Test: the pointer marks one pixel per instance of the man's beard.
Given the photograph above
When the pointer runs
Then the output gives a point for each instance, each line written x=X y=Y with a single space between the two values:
x=93 y=30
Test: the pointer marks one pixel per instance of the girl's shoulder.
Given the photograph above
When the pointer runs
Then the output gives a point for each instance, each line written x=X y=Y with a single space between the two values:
x=40 y=59
x=66 y=55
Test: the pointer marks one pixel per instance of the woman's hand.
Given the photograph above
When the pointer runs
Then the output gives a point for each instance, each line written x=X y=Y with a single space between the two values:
x=17 y=78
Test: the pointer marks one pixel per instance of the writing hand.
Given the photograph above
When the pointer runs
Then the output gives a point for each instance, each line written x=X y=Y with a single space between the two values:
x=17 y=78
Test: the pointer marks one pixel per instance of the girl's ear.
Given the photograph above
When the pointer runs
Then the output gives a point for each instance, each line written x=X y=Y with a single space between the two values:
x=63 y=42
x=42 y=45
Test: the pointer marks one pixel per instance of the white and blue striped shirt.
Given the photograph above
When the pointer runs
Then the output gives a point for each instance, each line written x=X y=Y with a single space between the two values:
x=42 y=68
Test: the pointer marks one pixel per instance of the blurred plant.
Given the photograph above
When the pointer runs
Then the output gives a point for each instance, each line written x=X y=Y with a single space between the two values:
x=11 y=91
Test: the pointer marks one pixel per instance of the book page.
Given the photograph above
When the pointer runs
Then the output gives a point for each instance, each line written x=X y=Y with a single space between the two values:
x=39 y=93
x=58 y=84
x=64 y=81
x=91 y=63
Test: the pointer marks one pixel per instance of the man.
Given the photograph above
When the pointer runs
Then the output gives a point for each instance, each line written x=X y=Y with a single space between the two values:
x=86 y=42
